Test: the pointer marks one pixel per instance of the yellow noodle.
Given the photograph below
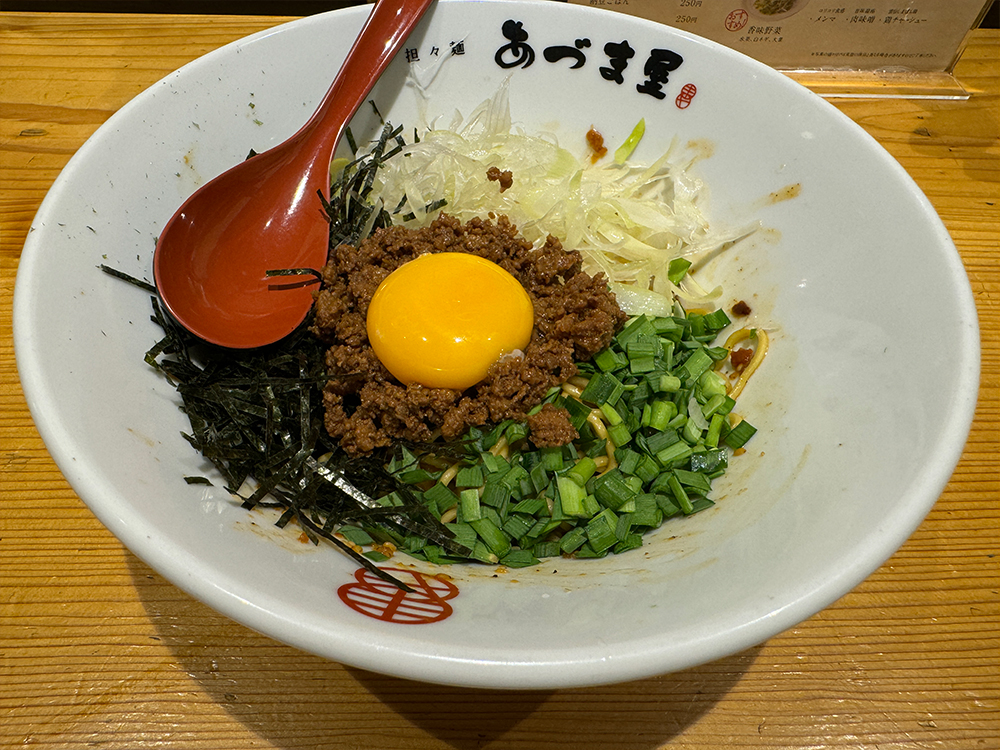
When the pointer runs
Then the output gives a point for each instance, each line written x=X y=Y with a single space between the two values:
x=450 y=515
x=760 y=351
x=758 y=356
x=737 y=336
x=501 y=447
x=609 y=448
x=596 y=419
x=450 y=473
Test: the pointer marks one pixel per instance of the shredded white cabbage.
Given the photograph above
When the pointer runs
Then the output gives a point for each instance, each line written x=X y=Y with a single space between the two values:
x=627 y=220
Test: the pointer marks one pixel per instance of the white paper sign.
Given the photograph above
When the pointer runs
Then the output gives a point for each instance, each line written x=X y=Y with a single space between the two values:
x=871 y=35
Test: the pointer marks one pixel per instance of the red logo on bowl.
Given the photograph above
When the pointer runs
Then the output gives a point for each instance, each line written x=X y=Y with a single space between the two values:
x=684 y=98
x=382 y=600
x=737 y=20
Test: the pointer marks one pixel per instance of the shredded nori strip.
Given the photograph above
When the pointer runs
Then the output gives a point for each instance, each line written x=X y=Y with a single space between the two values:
x=352 y=216
x=144 y=285
x=257 y=416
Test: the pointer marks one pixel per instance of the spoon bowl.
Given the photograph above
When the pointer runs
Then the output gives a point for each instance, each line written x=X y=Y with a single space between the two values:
x=212 y=258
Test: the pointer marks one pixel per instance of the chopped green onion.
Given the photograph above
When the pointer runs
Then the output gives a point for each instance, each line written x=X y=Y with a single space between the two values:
x=482 y=552
x=646 y=512
x=515 y=432
x=692 y=430
x=611 y=490
x=628 y=460
x=611 y=414
x=712 y=384
x=572 y=540
x=603 y=388
x=697 y=482
x=696 y=365
x=578 y=412
x=740 y=434
x=601 y=531
x=674 y=455
x=542 y=527
x=469 y=476
x=717 y=320
x=624 y=525
x=544 y=549
x=571 y=496
x=415 y=476
x=677 y=269
x=356 y=535
x=639 y=326
x=619 y=434
x=520 y=558
x=647 y=470
x=623 y=152
x=661 y=412
x=661 y=440
x=492 y=536
x=683 y=501
x=630 y=542
x=609 y=360
x=712 y=406
x=469 y=507
x=440 y=496
x=531 y=506
x=667 y=384
x=552 y=459
x=582 y=470
x=701 y=503
x=714 y=431
x=496 y=493
x=641 y=364
x=517 y=525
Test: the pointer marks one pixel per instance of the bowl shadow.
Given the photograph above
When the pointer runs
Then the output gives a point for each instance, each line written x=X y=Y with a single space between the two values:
x=284 y=695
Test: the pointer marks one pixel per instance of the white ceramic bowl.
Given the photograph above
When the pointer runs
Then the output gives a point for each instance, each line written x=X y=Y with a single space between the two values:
x=863 y=403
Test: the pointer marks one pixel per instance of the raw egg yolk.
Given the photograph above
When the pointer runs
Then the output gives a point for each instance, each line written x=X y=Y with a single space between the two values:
x=442 y=319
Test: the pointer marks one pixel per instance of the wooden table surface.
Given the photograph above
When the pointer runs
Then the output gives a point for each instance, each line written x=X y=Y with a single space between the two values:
x=96 y=649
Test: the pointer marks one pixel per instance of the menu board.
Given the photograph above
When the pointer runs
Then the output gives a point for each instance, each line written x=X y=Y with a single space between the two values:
x=823 y=35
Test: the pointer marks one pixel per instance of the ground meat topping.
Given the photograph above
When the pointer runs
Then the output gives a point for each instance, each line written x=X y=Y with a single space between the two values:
x=596 y=142
x=550 y=427
x=366 y=408
x=505 y=177
x=740 y=358
x=741 y=309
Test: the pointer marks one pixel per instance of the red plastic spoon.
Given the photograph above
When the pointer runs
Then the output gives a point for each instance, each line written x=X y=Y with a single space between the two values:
x=211 y=259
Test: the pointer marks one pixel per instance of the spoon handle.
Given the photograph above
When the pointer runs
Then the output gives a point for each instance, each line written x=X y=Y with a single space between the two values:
x=385 y=31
